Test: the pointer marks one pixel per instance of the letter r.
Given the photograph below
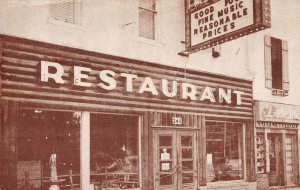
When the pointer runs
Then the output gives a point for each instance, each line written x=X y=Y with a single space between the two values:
x=45 y=74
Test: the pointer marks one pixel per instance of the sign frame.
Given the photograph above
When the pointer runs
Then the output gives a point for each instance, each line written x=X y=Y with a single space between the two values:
x=261 y=21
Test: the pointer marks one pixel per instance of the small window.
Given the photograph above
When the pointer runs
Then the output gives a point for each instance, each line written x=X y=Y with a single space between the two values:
x=147 y=14
x=65 y=11
x=276 y=65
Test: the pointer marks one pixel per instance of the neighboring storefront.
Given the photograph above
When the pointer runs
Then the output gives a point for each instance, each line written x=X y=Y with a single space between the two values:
x=277 y=142
x=114 y=122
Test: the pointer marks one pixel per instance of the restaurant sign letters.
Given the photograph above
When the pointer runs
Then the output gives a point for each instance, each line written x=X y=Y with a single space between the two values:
x=109 y=81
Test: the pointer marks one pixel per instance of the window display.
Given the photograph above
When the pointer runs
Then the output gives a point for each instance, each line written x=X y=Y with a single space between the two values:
x=114 y=151
x=262 y=157
x=224 y=149
x=45 y=135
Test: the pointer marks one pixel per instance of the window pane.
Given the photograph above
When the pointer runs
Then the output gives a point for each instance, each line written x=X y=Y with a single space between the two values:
x=165 y=140
x=44 y=134
x=187 y=178
x=186 y=141
x=146 y=24
x=147 y=4
x=187 y=153
x=224 y=151
x=276 y=55
x=114 y=151
x=166 y=179
x=63 y=10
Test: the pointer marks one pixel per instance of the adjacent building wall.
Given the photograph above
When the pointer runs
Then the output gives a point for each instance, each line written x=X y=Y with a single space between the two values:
x=285 y=26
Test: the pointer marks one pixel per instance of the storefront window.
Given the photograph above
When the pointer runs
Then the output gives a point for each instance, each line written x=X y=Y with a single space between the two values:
x=48 y=147
x=224 y=151
x=114 y=151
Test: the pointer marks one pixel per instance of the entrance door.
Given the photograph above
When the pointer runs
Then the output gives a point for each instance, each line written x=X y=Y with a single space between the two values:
x=276 y=159
x=175 y=159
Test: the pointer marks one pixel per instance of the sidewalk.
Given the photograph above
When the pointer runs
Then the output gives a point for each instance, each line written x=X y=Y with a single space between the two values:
x=282 y=188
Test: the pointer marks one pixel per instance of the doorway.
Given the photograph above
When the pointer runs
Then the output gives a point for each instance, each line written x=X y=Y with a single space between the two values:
x=175 y=159
x=276 y=176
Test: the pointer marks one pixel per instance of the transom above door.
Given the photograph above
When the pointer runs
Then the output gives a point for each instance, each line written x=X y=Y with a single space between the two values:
x=175 y=158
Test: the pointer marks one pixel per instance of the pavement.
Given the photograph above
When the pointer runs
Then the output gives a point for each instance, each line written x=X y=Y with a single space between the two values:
x=283 y=188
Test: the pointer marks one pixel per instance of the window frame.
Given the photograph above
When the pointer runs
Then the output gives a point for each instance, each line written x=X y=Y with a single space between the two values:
x=242 y=148
x=155 y=21
x=84 y=145
x=77 y=15
x=283 y=91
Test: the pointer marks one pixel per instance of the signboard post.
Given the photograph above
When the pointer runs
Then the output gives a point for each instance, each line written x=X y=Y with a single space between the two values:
x=214 y=22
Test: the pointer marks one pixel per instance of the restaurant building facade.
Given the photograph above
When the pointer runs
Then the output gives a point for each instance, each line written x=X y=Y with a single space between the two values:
x=118 y=122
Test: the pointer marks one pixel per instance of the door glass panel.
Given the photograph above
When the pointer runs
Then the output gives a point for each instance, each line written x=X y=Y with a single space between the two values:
x=289 y=161
x=186 y=159
x=289 y=154
x=187 y=165
x=166 y=179
x=165 y=140
x=272 y=154
x=165 y=158
x=289 y=168
x=187 y=153
x=186 y=140
x=187 y=178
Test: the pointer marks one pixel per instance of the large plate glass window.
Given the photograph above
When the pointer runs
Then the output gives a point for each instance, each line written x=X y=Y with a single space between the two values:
x=114 y=151
x=224 y=148
x=48 y=147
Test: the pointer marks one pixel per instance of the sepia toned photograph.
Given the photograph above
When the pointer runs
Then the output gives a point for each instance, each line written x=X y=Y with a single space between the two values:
x=149 y=94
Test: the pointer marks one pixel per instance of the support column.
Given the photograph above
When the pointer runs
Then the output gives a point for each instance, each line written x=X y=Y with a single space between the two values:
x=298 y=156
x=85 y=151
